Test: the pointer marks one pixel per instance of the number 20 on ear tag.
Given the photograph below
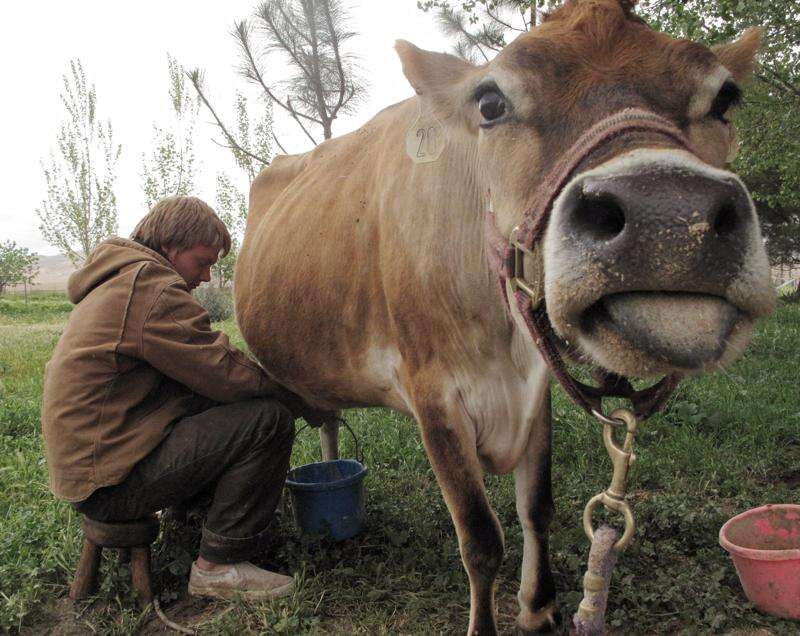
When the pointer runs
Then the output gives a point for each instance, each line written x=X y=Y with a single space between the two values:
x=425 y=139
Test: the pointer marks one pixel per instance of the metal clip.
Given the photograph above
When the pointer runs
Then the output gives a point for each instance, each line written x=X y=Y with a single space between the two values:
x=613 y=498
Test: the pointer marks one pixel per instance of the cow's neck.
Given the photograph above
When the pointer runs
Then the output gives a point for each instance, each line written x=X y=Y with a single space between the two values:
x=443 y=229
x=489 y=363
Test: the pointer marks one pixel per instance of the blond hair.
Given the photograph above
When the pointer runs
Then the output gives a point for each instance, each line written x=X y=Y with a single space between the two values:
x=182 y=223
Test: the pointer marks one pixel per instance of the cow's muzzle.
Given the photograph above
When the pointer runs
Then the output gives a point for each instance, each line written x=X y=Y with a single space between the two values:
x=655 y=263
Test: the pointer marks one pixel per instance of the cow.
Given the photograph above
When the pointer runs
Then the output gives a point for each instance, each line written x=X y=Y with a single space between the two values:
x=367 y=276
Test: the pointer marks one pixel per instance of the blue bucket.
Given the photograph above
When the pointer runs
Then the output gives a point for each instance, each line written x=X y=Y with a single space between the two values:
x=328 y=497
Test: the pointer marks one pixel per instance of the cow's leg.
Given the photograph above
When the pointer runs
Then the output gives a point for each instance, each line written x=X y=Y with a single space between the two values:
x=535 y=508
x=450 y=443
x=329 y=440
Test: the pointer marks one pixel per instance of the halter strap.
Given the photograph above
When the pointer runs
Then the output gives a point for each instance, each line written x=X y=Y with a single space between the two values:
x=507 y=258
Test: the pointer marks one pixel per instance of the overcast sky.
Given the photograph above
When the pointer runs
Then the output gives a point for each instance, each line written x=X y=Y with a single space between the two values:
x=123 y=47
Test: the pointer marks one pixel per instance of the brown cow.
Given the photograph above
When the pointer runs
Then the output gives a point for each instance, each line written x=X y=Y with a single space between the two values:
x=365 y=276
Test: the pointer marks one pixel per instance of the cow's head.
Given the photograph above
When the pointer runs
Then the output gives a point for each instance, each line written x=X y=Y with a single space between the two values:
x=653 y=256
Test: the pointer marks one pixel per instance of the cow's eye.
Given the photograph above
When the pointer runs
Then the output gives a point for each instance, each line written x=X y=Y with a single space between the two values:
x=729 y=95
x=492 y=105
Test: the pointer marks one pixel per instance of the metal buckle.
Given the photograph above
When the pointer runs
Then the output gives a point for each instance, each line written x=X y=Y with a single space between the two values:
x=517 y=279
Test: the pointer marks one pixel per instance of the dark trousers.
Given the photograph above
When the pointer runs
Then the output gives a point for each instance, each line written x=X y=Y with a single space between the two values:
x=239 y=451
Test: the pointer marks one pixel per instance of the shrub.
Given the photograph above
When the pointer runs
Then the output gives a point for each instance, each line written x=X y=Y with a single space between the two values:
x=217 y=302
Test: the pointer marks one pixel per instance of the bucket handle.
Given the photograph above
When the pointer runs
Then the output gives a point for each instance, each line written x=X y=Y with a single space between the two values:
x=343 y=422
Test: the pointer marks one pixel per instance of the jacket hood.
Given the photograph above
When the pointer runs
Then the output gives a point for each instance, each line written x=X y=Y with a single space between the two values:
x=107 y=260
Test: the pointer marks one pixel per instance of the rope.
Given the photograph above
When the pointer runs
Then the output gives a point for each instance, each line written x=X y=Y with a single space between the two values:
x=590 y=619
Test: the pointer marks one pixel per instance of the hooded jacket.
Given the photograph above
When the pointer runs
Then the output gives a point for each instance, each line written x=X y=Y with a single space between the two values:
x=137 y=354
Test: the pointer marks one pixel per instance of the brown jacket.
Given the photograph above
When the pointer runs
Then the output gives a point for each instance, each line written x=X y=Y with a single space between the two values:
x=137 y=354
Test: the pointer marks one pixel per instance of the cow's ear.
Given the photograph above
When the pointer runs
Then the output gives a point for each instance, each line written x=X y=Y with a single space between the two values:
x=432 y=75
x=739 y=56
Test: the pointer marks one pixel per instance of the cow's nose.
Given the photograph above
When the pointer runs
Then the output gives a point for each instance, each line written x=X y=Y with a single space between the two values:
x=671 y=218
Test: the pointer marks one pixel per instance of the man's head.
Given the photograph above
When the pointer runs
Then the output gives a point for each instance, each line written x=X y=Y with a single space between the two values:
x=188 y=233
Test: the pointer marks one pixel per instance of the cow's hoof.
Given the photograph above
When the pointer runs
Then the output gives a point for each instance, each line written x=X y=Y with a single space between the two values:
x=546 y=621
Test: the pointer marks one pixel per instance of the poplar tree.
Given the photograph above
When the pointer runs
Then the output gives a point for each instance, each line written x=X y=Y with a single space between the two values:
x=170 y=168
x=18 y=265
x=80 y=208
x=231 y=207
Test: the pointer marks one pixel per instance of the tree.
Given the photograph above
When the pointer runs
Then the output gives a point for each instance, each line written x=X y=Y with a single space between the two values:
x=232 y=210
x=323 y=80
x=479 y=27
x=18 y=265
x=170 y=170
x=768 y=120
x=253 y=131
x=322 y=83
x=80 y=209
x=231 y=202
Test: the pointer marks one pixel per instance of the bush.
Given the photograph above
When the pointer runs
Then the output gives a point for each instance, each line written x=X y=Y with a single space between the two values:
x=217 y=302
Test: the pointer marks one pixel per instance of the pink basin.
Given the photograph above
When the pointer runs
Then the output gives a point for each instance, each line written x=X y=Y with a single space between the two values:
x=764 y=544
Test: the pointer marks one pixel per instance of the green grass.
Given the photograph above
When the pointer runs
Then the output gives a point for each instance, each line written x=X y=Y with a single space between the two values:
x=727 y=442
x=38 y=536
x=37 y=308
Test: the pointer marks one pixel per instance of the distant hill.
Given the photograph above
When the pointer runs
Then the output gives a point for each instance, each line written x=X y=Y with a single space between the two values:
x=53 y=274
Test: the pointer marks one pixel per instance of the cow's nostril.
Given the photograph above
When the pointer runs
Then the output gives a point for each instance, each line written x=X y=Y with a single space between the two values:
x=599 y=216
x=726 y=219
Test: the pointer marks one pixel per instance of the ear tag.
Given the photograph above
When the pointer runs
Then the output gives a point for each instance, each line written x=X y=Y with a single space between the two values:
x=425 y=139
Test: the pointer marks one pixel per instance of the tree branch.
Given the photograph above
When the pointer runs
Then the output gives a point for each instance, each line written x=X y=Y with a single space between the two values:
x=241 y=33
x=278 y=143
x=195 y=79
x=452 y=22
x=496 y=17
x=337 y=57
x=778 y=80
x=299 y=123
x=288 y=20
x=284 y=44
x=316 y=79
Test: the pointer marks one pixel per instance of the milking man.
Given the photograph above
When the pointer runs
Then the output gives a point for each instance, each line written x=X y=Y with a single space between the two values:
x=146 y=407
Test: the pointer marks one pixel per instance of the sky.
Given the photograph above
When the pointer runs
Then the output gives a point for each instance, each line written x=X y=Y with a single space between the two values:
x=123 y=48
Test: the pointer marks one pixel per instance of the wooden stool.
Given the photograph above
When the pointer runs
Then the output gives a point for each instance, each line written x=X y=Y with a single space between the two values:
x=133 y=538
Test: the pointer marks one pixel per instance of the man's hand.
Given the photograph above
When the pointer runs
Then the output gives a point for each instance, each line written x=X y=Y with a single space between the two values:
x=314 y=417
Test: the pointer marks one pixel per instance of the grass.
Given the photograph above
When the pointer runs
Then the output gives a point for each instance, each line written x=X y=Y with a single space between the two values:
x=39 y=308
x=727 y=442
